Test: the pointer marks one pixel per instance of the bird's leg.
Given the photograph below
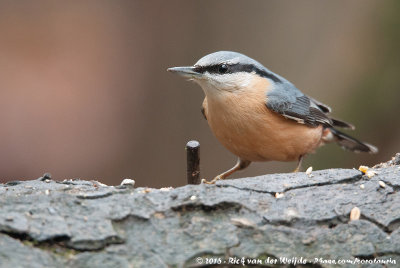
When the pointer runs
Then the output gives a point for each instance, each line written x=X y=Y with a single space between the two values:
x=240 y=164
x=299 y=164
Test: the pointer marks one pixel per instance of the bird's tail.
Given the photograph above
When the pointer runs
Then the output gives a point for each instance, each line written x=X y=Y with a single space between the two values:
x=347 y=142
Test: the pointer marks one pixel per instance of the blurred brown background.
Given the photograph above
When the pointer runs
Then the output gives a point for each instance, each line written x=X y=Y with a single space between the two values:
x=84 y=91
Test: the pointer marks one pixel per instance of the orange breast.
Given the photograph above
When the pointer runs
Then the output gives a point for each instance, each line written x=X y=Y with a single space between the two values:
x=246 y=127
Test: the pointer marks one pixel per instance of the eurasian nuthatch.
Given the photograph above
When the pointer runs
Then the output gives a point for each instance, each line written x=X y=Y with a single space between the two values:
x=259 y=115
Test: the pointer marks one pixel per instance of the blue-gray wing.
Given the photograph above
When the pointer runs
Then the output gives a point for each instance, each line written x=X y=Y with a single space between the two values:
x=291 y=103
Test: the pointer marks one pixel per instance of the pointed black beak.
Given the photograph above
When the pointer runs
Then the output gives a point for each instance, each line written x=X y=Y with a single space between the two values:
x=186 y=71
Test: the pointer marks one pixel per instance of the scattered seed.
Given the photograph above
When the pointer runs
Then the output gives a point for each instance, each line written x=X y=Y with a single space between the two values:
x=355 y=214
x=128 y=182
x=166 y=189
x=145 y=191
x=47 y=192
x=370 y=173
x=309 y=170
x=363 y=169
x=382 y=184
x=279 y=195
x=362 y=186
x=367 y=171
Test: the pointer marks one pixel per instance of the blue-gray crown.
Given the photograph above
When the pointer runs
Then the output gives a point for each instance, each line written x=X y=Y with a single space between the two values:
x=223 y=62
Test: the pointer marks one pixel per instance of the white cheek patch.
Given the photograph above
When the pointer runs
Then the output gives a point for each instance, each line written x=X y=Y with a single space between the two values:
x=231 y=82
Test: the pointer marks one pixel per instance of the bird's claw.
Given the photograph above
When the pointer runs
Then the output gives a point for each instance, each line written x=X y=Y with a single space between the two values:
x=213 y=181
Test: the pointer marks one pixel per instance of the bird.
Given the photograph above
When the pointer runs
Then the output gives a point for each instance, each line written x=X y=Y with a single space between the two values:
x=260 y=116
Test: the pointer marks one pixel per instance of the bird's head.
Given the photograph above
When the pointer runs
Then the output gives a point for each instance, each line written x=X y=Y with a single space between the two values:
x=225 y=71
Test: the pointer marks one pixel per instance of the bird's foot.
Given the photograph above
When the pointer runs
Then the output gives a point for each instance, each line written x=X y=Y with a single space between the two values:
x=299 y=164
x=213 y=181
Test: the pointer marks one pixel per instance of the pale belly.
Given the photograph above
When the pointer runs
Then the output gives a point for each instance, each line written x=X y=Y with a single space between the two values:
x=253 y=132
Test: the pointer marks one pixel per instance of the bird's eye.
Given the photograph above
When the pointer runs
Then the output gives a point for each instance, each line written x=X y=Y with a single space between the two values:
x=223 y=68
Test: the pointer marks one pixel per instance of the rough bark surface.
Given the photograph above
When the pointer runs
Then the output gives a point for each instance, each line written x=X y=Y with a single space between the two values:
x=75 y=223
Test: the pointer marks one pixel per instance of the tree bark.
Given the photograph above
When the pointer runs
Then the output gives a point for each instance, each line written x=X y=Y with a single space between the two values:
x=297 y=216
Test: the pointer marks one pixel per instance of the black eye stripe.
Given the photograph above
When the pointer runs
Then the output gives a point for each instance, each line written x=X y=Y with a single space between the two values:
x=212 y=69
x=236 y=68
